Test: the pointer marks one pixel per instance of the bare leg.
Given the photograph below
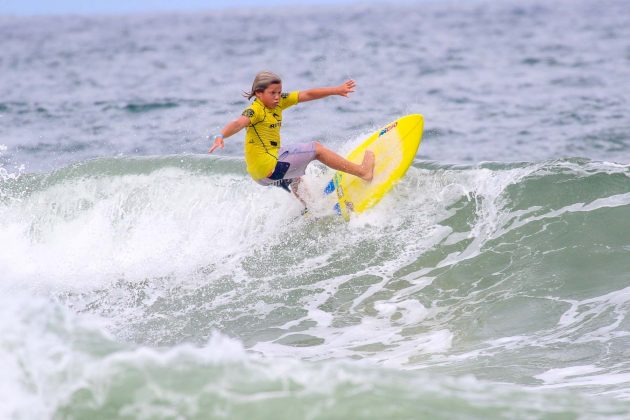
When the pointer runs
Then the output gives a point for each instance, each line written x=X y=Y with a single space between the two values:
x=331 y=159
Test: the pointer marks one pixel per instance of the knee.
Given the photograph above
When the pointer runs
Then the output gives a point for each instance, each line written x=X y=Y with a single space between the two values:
x=318 y=148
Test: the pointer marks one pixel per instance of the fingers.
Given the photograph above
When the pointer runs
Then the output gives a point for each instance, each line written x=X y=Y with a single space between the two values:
x=348 y=87
x=215 y=146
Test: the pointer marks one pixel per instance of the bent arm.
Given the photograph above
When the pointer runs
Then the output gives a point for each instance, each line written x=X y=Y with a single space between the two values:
x=230 y=129
x=235 y=126
x=319 y=93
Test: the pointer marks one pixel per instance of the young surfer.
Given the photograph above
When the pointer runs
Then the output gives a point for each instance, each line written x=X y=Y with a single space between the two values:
x=267 y=161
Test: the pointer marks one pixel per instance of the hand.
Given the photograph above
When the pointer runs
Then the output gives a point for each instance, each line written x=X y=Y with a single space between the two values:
x=346 y=88
x=218 y=142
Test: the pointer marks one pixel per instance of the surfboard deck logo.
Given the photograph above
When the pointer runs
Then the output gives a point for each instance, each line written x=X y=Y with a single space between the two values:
x=394 y=146
x=388 y=128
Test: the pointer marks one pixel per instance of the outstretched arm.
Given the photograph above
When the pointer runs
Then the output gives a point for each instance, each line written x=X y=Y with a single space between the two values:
x=318 y=93
x=230 y=129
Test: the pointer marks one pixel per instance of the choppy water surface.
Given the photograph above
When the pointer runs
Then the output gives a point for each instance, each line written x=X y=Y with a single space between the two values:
x=140 y=278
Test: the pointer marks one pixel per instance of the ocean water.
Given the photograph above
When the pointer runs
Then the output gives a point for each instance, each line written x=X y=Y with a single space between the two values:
x=141 y=278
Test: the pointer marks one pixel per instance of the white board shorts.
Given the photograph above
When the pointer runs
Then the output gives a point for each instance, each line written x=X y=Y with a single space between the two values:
x=292 y=163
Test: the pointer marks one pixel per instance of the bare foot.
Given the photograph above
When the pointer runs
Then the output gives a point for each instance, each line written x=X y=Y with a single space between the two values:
x=368 y=165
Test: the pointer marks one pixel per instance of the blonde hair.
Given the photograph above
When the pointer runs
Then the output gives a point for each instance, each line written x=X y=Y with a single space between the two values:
x=262 y=82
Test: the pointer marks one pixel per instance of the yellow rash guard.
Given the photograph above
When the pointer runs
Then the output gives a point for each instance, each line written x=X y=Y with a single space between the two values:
x=262 y=139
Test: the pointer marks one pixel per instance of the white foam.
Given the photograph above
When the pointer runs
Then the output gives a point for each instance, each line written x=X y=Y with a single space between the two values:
x=47 y=353
x=408 y=312
x=9 y=175
x=575 y=379
x=561 y=374
x=579 y=312
x=82 y=233
x=40 y=354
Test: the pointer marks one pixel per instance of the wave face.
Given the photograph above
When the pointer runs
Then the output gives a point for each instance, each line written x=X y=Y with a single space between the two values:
x=497 y=289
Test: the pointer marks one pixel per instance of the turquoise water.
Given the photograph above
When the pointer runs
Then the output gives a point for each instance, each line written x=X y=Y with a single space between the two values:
x=143 y=279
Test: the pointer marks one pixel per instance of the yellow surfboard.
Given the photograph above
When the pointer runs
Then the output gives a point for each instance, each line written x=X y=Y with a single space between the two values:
x=394 y=147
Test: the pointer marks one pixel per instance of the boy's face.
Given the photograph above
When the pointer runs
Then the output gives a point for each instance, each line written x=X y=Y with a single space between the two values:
x=270 y=97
